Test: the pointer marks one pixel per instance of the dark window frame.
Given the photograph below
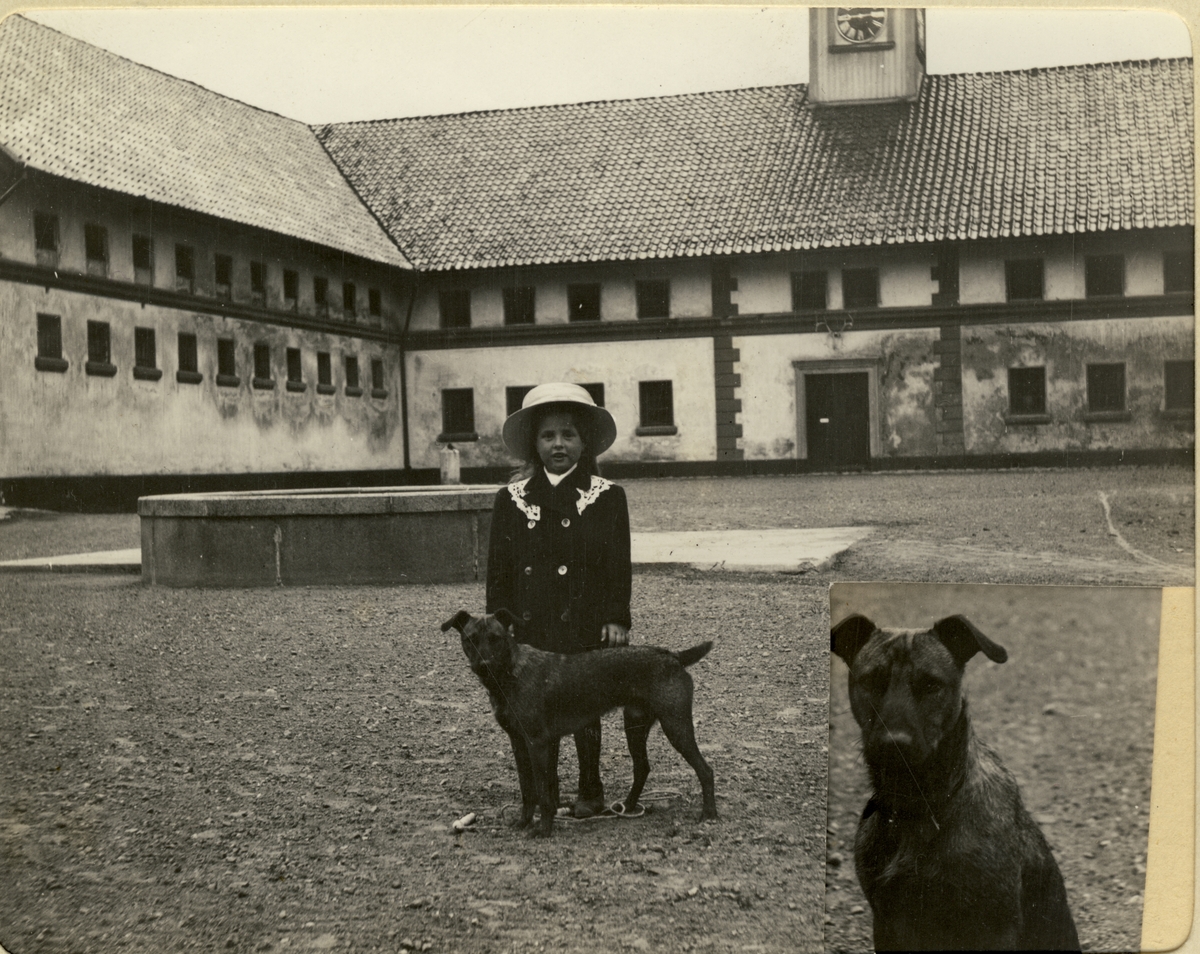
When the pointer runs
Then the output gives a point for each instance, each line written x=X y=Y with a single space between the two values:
x=583 y=301
x=1107 y=391
x=227 y=376
x=46 y=236
x=1179 y=388
x=1103 y=276
x=1179 y=270
x=454 y=308
x=258 y=281
x=513 y=396
x=325 y=373
x=350 y=367
x=187 y=358
x=95 y=249
x=653 y=298
x=223 y=263
x=99 y=345
x=860 y=287
x=291 y=288
x=1027 y=395
x=262 y=363
x=185 y=268
x=806 y=284
x=374 y=303
x=349 y=299
x=145 y=355
x=49 y=355
x=295 y=370
x=321 y=294
x=377 y=379
x=142 y=251
x=458 y=415
x=1023 y=277
x=520 y=304
x=656 y=409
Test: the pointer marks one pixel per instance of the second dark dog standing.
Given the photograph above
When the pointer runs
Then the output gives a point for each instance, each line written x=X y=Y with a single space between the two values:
x=945 y=852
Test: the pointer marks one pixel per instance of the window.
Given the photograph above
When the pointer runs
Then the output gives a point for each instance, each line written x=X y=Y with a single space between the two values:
x=223 y=274
x=374 y=303
x=653 y=298
x=324 y=373
x=1027 y=392
x=377 y=388
x=291 y=288
x=99 y=360
x=860 y=287
x=262 y=367
x=583 y=302
x=353 y=388
x=657 y=408
x=227 y=363
x=188 y=371
x=454 y=307
x=1024 y=279
x=514 y=396
x=143 y=260
x=458 y=415
x=145 y=355
x=518 y=305
x=596 y=391
x=810 y=291
x=95 y=248
x=185 y=268
x=258 y=281
x=49 y=344
x=349 y=299
x=1179 y=386
x=295 y=376
x=45 y=238
x=1104 y=275
x=1179 y=273
x=1106 y=388
x=321 y=294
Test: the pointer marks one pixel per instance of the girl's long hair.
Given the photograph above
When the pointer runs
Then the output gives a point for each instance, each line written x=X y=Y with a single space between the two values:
x=531 y=461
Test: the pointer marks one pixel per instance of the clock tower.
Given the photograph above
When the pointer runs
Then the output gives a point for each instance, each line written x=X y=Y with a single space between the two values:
x=865 y=55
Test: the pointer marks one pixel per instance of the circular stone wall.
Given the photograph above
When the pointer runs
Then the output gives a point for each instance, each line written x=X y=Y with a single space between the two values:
x=298 y=538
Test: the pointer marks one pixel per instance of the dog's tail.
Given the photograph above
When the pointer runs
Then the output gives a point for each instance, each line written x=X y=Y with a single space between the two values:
x=693 y=655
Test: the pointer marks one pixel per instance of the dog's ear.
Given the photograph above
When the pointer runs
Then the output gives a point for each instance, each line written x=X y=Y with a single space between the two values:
x=851 y=635
x=460 y=619
x=506 y=618
x=959 y=635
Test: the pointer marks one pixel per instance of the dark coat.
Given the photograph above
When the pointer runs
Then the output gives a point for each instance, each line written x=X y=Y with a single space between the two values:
x=562 y=571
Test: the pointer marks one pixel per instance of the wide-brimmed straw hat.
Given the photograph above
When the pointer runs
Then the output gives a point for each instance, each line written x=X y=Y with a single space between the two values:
x=518 y=429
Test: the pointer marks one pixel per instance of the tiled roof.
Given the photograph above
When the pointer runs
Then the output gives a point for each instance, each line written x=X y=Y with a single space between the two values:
x=76 y=111
x=1035 y=152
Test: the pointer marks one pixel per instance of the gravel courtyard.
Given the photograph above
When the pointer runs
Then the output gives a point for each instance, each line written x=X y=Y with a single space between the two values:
x=280 y=769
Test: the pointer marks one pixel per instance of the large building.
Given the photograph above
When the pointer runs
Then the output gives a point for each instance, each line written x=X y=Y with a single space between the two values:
x=880 y=268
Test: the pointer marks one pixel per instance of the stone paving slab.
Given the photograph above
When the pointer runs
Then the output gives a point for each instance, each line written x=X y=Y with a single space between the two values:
x=105 y=561
x=764 y=550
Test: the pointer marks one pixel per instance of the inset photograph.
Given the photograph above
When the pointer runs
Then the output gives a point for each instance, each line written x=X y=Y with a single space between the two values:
x=990 y=755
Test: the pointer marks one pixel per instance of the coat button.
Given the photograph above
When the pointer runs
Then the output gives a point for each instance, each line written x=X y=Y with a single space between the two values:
x=562 y=571
x=565 y=617
x=528 y=570
x=566 y=521
x=527 y=615
x=532 y=524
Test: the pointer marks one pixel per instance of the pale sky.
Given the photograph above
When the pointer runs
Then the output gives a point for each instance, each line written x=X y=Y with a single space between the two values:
x=326 y=64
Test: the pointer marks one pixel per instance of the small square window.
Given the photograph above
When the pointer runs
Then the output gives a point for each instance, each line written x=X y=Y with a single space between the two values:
x=324 y=369
x=295 y=375
x=45 y=232
x=262 y=367
x=1026 y=391
x=1179 y=380
x=458 y=414
x=188 y=359
x=513 y=396
x=810 y=291
x=596 y=391
x=583 y=302
x=377 y=388
x=656 y=405
x=454 y=307
x=353 y=388
x=145 y=352
x=653 y=298
x=258 y=280
x=143 y=259
x=95 y=248
x=99 y=361
x=1179 y=271
x=49 y=344
x=349 y=299
x=185 y=268
x=1104 y=275
x=518 y=305
x=223 y=274
x=227 y=363
x=374 y=303
x=321 y=294
x=860 y=288
x=1024 y=279
x=1106 y=388
x=291 y=288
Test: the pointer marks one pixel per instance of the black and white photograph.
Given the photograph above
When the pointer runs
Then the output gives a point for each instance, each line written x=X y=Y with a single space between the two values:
x=429 y=436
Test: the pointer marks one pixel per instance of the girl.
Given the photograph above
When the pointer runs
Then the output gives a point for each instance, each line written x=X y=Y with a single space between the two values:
x=558 y=558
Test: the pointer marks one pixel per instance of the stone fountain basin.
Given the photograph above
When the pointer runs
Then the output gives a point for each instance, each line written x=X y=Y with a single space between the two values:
x=375 y=535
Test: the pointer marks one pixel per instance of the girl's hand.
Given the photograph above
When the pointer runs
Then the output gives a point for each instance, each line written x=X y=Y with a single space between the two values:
x=614 y=634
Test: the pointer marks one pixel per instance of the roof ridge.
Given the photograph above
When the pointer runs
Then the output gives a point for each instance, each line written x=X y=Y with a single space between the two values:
x=155 y=69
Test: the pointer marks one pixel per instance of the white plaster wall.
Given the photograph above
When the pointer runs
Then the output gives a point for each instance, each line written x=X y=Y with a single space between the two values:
x=619 y=366
x=76 y=424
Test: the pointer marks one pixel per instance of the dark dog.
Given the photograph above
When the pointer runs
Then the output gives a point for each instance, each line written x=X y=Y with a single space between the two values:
x=539 y=697
x=946 y=853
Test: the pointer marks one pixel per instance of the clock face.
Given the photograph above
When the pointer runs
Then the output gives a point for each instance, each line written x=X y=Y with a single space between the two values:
x=860 y=24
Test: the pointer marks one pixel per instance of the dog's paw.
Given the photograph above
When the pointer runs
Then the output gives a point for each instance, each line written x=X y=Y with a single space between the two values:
x=709 y=815
x=542 y=828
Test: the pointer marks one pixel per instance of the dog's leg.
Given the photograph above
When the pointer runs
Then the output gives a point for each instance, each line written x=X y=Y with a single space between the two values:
x=677 y=726
x=525 y=777
x=638 y=723
x=541 y=761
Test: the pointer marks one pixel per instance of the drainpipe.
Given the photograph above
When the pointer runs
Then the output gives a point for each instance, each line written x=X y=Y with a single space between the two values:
x=412 y=300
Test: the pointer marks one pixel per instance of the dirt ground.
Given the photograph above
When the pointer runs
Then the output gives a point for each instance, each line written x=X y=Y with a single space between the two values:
x=1071 y=714
x=280 y=769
